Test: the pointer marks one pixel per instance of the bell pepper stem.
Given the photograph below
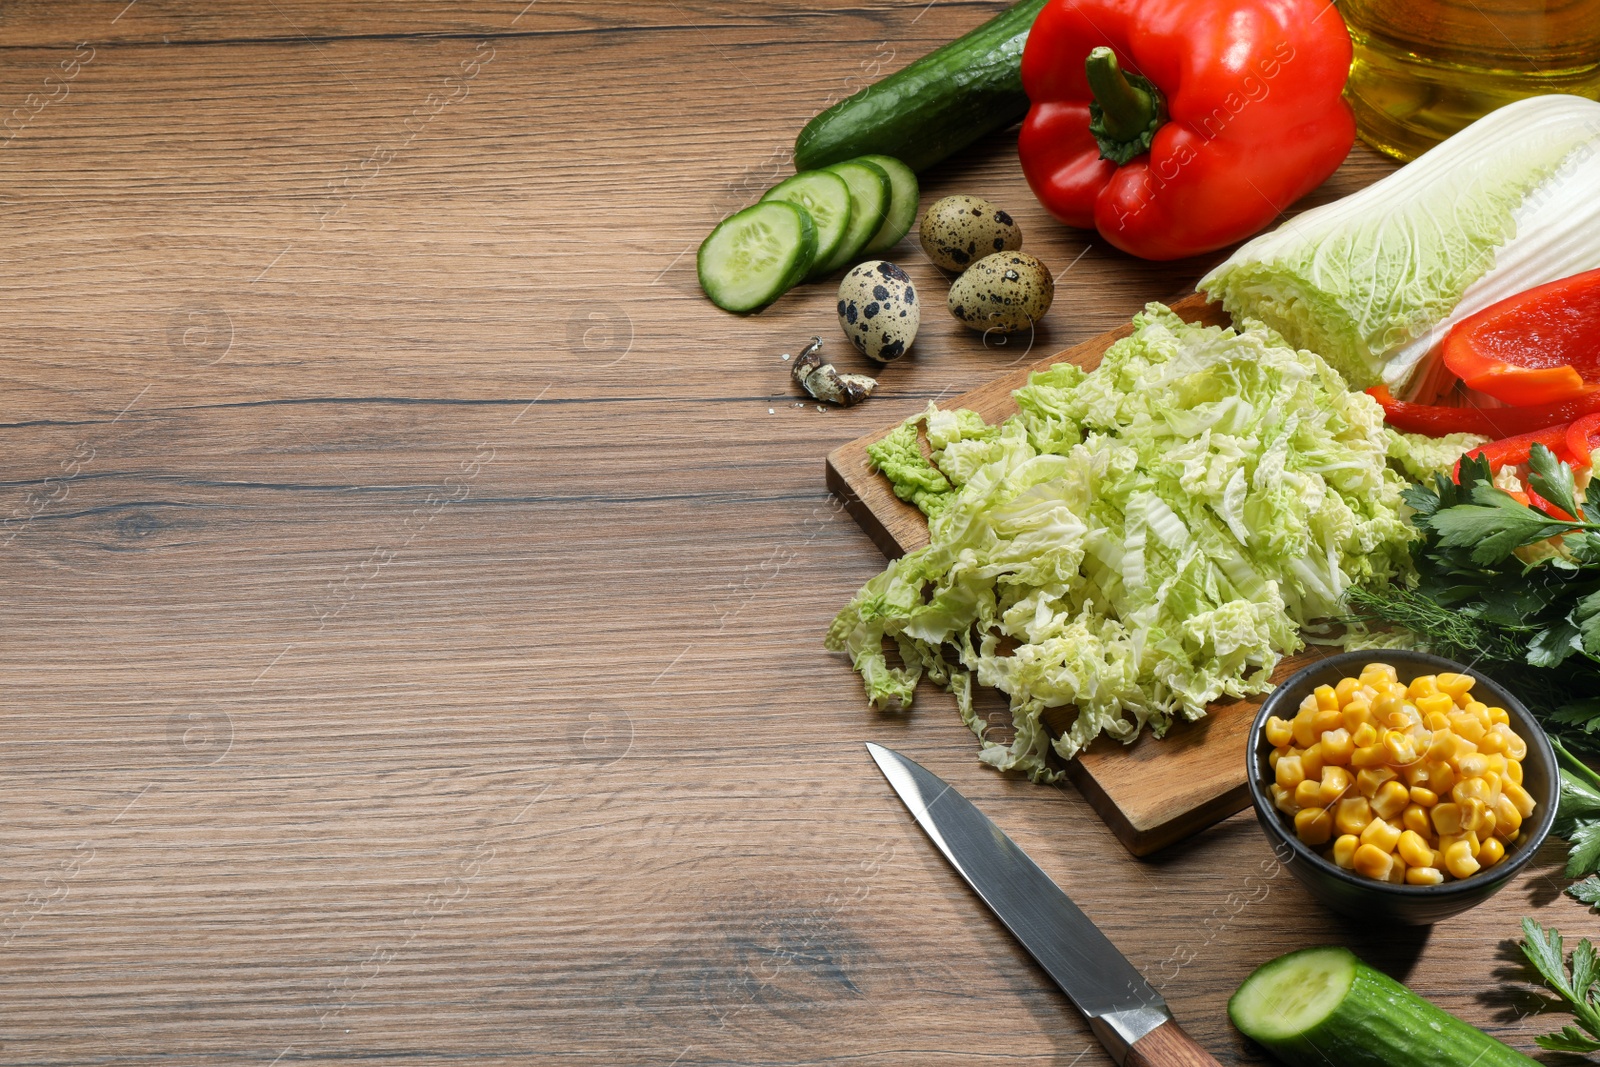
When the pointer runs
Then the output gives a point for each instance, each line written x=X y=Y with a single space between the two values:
x=1127 y=109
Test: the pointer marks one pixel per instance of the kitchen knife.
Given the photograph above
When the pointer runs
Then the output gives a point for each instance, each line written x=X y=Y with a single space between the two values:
x=1130 y=1019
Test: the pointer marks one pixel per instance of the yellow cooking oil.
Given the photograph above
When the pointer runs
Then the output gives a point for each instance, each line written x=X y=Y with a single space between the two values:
x=1425 y=68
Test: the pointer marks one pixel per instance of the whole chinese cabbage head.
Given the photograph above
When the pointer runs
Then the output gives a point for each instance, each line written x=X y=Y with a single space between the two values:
x=1374 y=281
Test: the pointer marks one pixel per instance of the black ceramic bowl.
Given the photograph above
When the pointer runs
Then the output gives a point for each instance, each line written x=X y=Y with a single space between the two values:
x=1350 y=893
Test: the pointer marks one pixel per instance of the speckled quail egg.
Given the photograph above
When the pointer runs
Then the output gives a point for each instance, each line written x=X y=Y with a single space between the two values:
x=1005 y=292
x=960 y=230
x=878 y=310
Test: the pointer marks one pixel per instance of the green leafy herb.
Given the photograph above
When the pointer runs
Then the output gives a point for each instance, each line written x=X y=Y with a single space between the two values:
x=1509 y=587
x=1584 y=548
x=1552 y=479
x=1551 y=646
x=1496 y=523
x=1585 y=855
x=1580 y=785
x=1586 y=891
x=1577 y=812
x=1494 y=528
x=1587 y=615
x=1544 y=950
x=1467 y=636
x=1584 y=714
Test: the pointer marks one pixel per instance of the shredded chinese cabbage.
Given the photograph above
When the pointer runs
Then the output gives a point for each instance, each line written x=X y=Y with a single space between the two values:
x=1137 y=541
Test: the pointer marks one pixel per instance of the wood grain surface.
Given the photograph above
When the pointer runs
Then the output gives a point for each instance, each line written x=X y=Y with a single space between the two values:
x=1153 y=791
x=414 y=590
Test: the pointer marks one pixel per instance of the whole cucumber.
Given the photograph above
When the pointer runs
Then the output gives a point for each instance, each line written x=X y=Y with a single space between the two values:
x=933 y=108
x=1322 y=1007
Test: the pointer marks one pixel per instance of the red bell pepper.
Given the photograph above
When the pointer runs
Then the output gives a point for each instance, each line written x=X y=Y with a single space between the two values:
x=1514 y=450
x=1230 y=113
x=1438 y=419
x=1581 y=438
x=1541 y=346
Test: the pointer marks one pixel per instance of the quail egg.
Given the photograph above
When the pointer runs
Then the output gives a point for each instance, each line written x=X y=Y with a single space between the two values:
x=878 y=310
x=1005 y=292
x=960 y=230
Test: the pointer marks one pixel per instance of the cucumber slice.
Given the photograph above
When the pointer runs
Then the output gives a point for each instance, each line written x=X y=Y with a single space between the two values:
x=869 y=203
x=903 y=195
x=757 y=255
x=1322 y=1006
x=826 y=198
x=1292 y=994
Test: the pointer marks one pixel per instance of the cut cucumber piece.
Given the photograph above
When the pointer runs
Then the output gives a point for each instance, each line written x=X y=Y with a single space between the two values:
x=1292 y=994
x=1322 y=1007
x=757 y=255
x=826 y=198
x=903 y=195
x=869 y=203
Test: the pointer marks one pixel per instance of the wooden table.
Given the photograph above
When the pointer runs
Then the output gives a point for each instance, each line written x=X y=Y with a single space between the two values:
x=414 y=590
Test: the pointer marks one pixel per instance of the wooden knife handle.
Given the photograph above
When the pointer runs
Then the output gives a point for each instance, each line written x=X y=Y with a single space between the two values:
x=1168 y=1046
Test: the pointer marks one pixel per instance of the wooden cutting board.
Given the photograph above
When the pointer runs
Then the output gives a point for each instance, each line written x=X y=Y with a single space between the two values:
x=1152 y=792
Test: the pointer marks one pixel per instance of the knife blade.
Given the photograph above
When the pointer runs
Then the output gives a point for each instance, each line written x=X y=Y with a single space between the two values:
x=1129 y=1017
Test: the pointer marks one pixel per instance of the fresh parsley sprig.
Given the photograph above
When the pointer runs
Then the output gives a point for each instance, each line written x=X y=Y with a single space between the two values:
x=1578 y=814
x=1489 y=522
x=1578 y=987
x=1535 y=625
x=1586 y=891
x=1553 y=480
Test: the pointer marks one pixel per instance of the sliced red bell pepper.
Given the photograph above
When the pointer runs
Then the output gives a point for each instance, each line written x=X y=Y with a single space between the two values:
x=1518 y=449
x=1229 y=111
x=1582 y=437
x=1539 y=347
x=1438 y=419
x=1512 y=450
